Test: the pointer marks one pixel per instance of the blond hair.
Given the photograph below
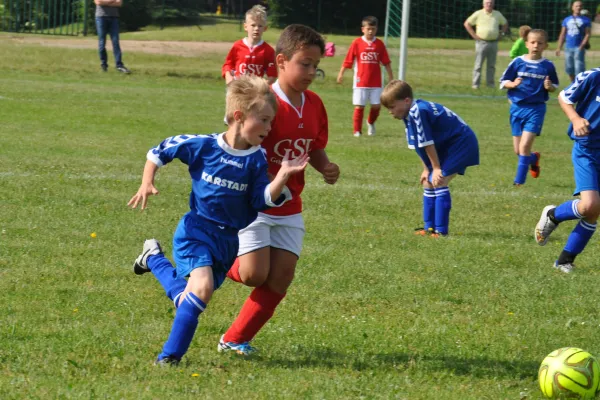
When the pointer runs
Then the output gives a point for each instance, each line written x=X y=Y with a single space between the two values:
x=395 y=90
x=524 y=31
x=248 y=94
x=258 y=13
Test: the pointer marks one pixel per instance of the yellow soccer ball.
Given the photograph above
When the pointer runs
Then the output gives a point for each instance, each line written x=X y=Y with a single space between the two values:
x=569 y=373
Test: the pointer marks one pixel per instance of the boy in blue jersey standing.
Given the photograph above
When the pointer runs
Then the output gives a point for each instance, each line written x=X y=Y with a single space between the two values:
x=443 y=141
x=528 y=79
x=584 y=130
x=229 y=186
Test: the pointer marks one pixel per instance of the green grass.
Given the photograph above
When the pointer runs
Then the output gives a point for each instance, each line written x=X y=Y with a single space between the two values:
x=374 y=312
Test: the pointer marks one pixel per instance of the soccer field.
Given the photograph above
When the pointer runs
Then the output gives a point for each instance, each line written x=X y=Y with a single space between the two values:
x=374 y=312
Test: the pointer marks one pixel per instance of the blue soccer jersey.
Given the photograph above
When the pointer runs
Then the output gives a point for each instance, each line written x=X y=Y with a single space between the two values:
x=431 y=123
x=229 y=186
x=533 y=73
x=585 y=93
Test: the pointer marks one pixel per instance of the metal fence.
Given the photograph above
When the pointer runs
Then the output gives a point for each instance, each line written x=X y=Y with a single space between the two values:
x=53 y=17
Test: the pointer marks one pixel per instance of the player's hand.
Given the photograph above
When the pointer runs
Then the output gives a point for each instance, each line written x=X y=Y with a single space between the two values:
x=293 y=166
x=331 y=173
x=437 y=179
x=547 y=83
x=557 y=52
x=517 y=82
x=424 y=177
x=145 y=190
x=340 y=78
x=581 y=127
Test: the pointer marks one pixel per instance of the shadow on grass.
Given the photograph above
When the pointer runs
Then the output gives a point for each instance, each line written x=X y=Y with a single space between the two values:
x=476 y=367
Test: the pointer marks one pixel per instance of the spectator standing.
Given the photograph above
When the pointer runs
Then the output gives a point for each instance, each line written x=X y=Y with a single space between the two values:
x=107 y=22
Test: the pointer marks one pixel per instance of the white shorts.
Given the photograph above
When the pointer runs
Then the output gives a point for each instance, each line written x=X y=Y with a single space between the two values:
x=360 y=96
x=285 y=232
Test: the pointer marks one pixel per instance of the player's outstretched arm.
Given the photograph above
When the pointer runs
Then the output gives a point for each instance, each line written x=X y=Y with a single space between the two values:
x=288 y=168
x=146 y=188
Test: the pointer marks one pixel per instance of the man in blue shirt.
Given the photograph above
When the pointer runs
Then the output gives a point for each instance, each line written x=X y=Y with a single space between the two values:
x=575 y=34
x=584 y=130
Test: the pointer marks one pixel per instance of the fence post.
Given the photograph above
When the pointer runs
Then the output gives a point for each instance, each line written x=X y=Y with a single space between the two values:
x=85 y=17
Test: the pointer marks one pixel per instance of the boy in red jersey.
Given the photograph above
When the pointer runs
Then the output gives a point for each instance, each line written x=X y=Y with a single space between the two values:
x=251 y=55
x=271 y=245
x=366 y=53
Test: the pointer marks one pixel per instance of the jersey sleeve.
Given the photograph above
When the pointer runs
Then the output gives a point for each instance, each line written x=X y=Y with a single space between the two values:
x=553 y=75
x=187 y=148
x=261 y=190
x=323 y=134
x=502 y=19
x=270 y=67
x=472 y=20
x=587 y=23
x=510 y=74
x=229 y=64
x=349 y=60
x=385 y=57
x=421 y=119
x=580 y=87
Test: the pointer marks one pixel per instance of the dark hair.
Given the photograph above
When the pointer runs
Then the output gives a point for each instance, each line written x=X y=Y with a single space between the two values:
x=372 y=21
x=395 y=90
x=540 y=32
x=296 y=37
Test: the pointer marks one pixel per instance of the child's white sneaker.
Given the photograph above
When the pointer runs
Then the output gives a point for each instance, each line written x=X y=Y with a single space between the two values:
x=357 y=134
x=544 y=227
x=567 y=268
x=371 y=128
x=151 y=248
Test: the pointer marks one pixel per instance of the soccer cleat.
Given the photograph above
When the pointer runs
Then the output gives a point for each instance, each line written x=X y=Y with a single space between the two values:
x=104 y=67
x=169 y=361
x=534 y=169
x=243 y=349
x=567 y=268
x=437 y=234
x=423 y=231
x=151 y=248
x=371 y=128
x=544 y=227
x=357 y=134
x=123 y=69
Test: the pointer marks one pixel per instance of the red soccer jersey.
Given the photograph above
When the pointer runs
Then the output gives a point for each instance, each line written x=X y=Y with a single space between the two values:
x=295 y=131
x=258 y=60
x=368 y=56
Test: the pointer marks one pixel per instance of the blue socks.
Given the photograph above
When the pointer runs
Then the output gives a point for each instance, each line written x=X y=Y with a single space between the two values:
x=429 y=209
x=580 y=237
x=184 y=327
x=443 y=204
x=523 y=168
x=163 y=270
x=567 y=211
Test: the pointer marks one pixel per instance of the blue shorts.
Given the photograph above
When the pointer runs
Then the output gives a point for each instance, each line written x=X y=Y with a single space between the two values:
x=527 y=117
x=586 y=165
x=454 y=158
x=195 y=246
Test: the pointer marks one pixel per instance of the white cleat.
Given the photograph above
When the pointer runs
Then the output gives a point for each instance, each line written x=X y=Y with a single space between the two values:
x=357 y=134
x=566 y=268
x=371 y=128
x=151 y=248
x=544 y=227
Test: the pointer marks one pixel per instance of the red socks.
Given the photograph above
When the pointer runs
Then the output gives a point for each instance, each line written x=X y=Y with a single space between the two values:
x=234 y=271
x=373 y=114
x=357 y=118
x=255 y=313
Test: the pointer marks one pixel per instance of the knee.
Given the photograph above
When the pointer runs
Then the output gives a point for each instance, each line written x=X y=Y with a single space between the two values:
x=589 y=208
x=254 y=277
x=281 y=281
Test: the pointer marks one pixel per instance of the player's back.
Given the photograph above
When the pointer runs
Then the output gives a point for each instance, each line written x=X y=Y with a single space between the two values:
x=585 y=93
x=295 y=131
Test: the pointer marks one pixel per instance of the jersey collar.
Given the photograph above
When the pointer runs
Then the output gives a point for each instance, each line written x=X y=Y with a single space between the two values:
x=245 y=40
x=234 y=152
x=277 y=89
x=366 y=41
